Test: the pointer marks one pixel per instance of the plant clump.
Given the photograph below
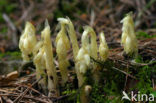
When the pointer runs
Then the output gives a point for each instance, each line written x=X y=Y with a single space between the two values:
x=43 y=58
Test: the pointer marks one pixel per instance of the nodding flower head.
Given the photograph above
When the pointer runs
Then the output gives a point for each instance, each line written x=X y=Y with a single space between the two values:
x=62 y=47
x=27 y=41
x=85 y=38
x=128 y=38
x=103 y=48
x=47 y=57
x=67 y=25
x=63 y=20
x=63 y=33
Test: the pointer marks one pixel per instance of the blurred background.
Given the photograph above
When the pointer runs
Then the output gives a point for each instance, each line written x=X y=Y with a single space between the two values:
x=102 y=15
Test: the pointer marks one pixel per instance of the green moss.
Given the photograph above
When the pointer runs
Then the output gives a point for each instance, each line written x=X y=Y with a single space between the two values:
x=11 y=55
x=141 y=35
x=112 y=83
x=139 y=59
x=7 y=7
x=4 y=30
x=73 y=95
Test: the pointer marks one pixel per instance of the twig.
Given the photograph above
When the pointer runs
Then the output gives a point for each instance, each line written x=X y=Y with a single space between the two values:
x=24 y=93
x=12 y=27
x=26 y=13
x=143 y=64
x=92 y=18
x=31 y=89
x=115 y=69
x=124 y=63
x=7 y=100
x=124 y=72
x=10 y=24
x=59 y=98
x=5 y=91
x=27 y=97
x=1 y=101
x=96 y=61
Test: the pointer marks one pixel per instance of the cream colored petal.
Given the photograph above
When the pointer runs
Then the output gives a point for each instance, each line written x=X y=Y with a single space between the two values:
x=128 y=38
x=103 y=48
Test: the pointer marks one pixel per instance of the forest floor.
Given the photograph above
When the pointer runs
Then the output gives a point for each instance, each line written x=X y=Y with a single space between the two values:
x=18 y=83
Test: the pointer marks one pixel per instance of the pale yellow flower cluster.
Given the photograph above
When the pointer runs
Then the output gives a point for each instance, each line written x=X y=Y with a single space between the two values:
x=42 y=50
x=27 y=41
x=86 y=51
x=103 y=48
x=83 y=59
x=62 y=47
x=48 y=59
x=128 y=39
x=42 y=55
